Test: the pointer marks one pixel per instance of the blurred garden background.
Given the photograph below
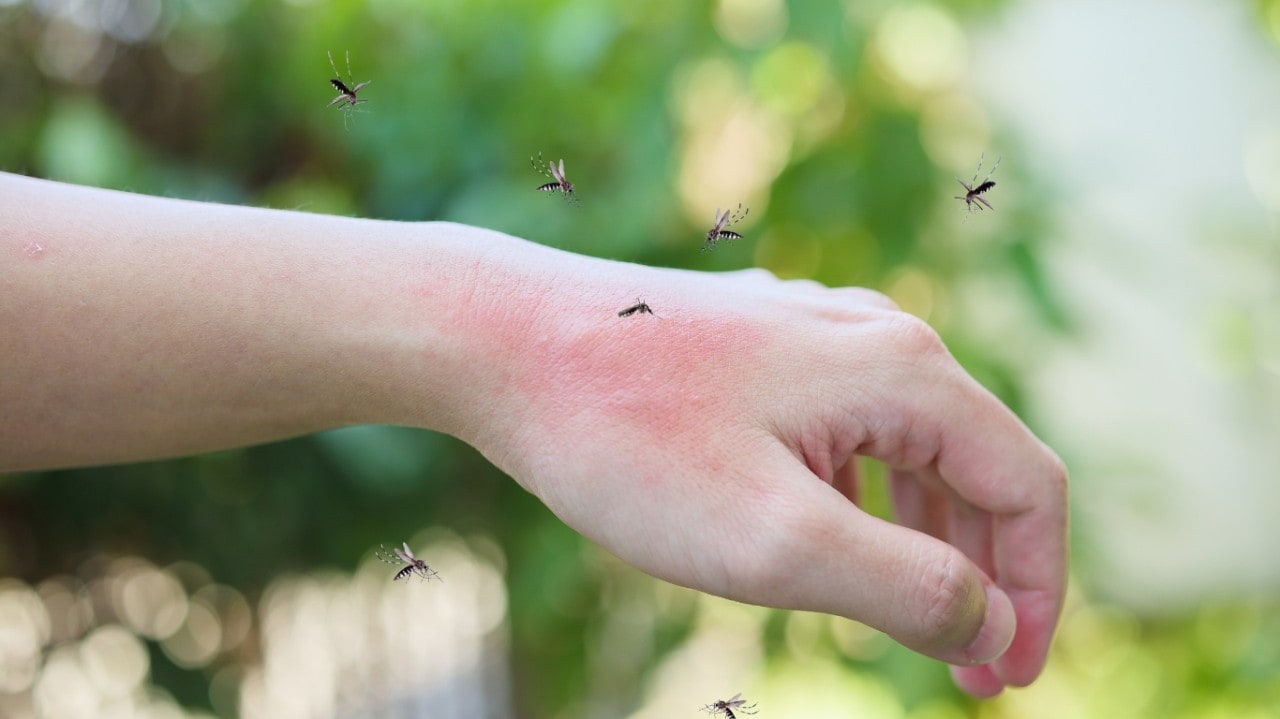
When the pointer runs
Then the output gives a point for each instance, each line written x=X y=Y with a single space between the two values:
x=1123 y=297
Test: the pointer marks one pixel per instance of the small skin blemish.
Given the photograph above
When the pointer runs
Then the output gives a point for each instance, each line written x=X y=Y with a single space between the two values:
x=33 y=249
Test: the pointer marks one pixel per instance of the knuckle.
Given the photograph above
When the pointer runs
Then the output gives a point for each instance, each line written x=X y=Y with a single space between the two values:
x=875 y=298
x=911 y=335
x=1056 y=480
x=1058 y=475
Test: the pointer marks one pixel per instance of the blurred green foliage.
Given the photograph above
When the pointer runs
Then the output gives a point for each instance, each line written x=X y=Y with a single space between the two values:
x=224 y=100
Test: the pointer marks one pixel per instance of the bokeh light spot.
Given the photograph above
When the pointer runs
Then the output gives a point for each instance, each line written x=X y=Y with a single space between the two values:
x=751 y=23
x=24 y=628
x=954 y=131
x=790 y=252
x=197 y=641
x=63 y=689
x=151 y=601
x=114 y=660
x=921 y=47
x=913 y=290
x=130 y=21
x=790 y=78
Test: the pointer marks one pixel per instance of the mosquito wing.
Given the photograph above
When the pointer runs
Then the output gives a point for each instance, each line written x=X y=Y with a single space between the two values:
x=720 y=220
x=406 y=556
x=558 y=172
x=356 y=89
x=983 y=201
x=734 y=701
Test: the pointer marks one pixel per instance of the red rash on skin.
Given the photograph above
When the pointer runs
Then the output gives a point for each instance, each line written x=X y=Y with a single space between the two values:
x=657 y=377
x=654 y=374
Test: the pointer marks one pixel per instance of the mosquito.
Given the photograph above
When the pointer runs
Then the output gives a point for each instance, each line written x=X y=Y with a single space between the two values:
x=346 y=99
x=559 y=183
x=640 y=306
x=726 y=707
x=718 y=231
x=973 y=192
x=413 y=565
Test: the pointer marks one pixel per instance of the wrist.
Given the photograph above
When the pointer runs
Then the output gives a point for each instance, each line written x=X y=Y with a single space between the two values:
x=446 y=297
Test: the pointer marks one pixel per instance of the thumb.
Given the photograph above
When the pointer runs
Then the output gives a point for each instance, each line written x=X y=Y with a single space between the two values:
x=819 y=552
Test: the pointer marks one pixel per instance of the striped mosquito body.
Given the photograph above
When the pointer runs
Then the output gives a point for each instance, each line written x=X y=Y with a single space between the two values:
x=973 y=190
x=726 y=707
x=719 y=232
x=413 y=565
x=640 y=306
x=347 y=97
x=556 y=174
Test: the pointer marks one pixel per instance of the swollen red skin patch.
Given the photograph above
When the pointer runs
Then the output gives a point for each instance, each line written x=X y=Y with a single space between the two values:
x=580 y=363
x=618 y=366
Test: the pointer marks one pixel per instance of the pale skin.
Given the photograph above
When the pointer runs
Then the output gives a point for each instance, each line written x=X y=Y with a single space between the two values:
x=713 y=445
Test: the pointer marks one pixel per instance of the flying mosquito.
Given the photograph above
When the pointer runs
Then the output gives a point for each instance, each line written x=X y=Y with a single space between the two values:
x=559 y=183
x=726 y=707
x=718 y=231
x=973 y=192
x=640 y=306
x=346 y=99
x=405 y=557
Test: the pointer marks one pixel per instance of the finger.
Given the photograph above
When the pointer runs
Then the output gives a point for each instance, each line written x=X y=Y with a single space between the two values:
x=817 y=552
x=994 y=462
x=917 y=507
x=969 y=530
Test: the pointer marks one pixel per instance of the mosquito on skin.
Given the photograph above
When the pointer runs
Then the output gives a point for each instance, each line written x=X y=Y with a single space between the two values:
x=718 y=231
x=558 y=183
x=413 y=565
x=640 y=306
x=726 y=707
x=346 y=98
x=973 y=192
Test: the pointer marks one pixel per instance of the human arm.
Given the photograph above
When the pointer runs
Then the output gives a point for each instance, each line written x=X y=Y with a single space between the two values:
x=710 y=444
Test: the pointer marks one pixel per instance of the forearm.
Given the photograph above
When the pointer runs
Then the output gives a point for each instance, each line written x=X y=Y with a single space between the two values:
x=135 y=327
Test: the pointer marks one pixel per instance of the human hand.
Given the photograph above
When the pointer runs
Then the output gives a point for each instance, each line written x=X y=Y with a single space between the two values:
x=714 y=445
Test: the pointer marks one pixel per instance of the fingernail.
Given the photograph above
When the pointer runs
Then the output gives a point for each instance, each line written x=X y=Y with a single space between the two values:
x=997 y=629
